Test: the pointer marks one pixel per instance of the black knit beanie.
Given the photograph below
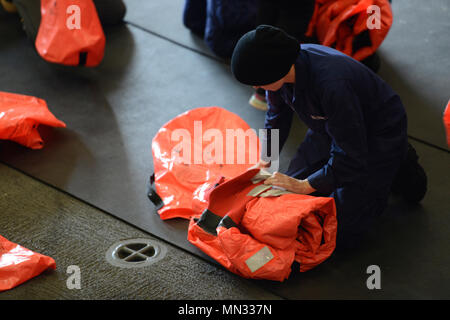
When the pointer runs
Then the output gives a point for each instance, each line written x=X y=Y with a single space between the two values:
x=263 y=56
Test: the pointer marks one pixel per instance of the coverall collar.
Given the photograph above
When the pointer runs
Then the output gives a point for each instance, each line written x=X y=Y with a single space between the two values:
x=301 y=72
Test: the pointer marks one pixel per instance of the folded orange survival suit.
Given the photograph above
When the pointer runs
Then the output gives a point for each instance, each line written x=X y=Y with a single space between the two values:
x=20 y=116
x=257 y=235
x=338 y=23
x=19 y=264
x=70 y=33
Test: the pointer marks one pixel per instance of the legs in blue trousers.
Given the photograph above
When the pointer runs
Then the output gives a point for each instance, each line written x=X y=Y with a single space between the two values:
x=357 y=204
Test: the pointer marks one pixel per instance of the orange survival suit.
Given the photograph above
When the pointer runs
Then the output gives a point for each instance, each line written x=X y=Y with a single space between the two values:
x=337 y=24
x=250 y=228
x=20 y=117
x=19 y=264
x=446 y=119
x=70 y=33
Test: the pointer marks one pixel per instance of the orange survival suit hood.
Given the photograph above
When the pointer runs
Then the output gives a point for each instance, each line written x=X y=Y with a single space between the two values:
x=70 y=33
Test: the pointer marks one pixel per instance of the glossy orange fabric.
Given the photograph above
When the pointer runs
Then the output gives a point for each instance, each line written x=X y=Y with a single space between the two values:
x=447 y=122
x=19 y=264
x=182 y=184
x=292 y=226
x=267 y=234
x=20 y=117
x=70 y=29
x=337 y=23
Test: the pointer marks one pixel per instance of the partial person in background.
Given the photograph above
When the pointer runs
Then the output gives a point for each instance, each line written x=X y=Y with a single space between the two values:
x=110 y=12
x=220 y=22
x=68 y=32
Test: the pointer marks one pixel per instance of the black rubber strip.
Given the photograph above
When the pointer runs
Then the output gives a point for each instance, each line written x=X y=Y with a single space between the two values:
x=209 y=221
x=227 y=222
x=153 y=195
x=83 y=59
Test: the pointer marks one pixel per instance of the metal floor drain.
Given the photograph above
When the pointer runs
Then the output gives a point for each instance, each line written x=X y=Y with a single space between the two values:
x=135 y=253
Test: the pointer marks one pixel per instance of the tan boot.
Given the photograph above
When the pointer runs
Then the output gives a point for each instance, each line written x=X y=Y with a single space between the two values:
x=8 y=6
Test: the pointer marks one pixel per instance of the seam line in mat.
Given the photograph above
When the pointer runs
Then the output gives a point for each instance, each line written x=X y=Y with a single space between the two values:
x=176 y=42
x=134 y=226
x=429 y=144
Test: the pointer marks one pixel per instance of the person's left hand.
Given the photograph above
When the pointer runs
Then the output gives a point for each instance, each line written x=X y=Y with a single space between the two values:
x=291 y=184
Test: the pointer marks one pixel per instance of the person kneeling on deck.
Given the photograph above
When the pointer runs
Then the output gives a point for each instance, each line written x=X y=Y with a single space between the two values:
x=356 y=149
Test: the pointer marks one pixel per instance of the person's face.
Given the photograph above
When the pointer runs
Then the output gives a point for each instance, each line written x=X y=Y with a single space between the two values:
x=272 y=86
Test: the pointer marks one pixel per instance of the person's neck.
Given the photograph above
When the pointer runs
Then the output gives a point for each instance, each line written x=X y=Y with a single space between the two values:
x=290 y=77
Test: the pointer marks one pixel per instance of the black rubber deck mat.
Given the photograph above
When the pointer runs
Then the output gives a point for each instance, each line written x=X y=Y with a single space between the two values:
x=415 y=63
x=414 y=55
x=104 y=156
x=166 y=22
x=112 y=113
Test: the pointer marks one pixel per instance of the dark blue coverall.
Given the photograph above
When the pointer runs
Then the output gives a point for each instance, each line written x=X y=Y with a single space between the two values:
x=357 y=135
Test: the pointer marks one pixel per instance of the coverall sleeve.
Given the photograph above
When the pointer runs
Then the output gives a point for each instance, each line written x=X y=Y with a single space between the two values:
x=278 y=116
x=348 y=162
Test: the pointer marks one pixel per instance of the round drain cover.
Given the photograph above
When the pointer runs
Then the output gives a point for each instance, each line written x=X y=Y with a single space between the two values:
x=134 y=253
